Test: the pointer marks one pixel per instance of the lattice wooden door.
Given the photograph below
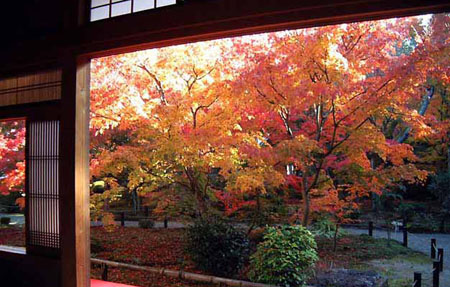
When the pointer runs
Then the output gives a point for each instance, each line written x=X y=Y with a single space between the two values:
x=43 y=194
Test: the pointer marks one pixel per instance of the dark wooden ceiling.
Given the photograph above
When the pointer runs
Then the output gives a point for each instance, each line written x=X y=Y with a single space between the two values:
x=39 y=32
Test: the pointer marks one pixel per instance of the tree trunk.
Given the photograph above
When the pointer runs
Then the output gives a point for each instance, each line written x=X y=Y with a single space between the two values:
x=197 y=191
x=426 y=99
x=306 y=207
x=335 y=238
x=372 y=194
x=106 y=204
x=256 y=222
x=201 y=204
x=448 y=155
x=442 y=225
x=138 y=202
x=388 y=232
x=134 y=199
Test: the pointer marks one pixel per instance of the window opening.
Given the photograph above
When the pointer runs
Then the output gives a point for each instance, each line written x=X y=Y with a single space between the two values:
x=103 y=9
x=12 y=183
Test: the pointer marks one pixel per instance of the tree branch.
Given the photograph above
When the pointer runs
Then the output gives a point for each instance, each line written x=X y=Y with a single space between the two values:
x=158 y=83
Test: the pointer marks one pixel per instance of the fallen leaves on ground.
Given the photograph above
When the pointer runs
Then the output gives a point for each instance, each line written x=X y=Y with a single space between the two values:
x=12 y=236
x=147 y=247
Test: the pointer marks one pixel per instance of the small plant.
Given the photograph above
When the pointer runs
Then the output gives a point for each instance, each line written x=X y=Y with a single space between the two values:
x=146 y=223
x=325 y=228
x=5 y=220
x=217 y=247
x=286 y=257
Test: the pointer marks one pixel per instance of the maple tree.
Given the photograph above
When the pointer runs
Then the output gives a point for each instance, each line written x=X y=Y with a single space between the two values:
x=325 y=111
x=327 y=114
x=176 y=110
x=316 y=102
x=333 y=91
x=434 y=148
x=318 y=119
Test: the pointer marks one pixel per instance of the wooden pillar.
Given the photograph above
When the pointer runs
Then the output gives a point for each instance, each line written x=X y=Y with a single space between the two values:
x=74 y=170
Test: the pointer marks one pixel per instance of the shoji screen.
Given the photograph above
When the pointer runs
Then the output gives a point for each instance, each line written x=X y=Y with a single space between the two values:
x=42 y=159
x=104 y=9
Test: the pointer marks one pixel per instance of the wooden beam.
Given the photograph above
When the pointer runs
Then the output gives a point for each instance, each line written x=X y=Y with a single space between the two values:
x=33 y=111
x=198 y=20
x=202 y=20
x=75 y=223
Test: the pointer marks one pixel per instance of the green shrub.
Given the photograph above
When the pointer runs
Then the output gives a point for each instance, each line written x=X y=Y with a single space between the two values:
x=440 y=185
x=423 y=223
x=325 y=228
x=409 y=210
x=5 y=221
x=286 y=257
x=217 y=247
x=146 y=223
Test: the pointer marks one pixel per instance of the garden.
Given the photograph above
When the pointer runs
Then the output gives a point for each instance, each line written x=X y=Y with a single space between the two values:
x=250 y=158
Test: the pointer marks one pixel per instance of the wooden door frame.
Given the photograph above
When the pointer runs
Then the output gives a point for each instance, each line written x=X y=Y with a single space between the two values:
x=33 y=111
x=75 y=239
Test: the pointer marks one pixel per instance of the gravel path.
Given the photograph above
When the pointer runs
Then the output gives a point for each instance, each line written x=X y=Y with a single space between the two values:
x=419 y=242
x=158 y=224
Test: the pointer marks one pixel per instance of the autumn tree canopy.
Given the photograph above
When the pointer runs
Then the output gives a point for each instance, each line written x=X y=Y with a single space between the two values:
x=331 y=114
x=316 y=119
x=12 y=157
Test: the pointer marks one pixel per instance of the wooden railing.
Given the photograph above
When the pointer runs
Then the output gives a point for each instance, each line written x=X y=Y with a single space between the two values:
x=176 y=274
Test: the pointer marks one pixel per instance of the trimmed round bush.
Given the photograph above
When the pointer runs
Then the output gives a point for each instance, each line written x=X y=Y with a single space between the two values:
x=286 y=257
x=217 y=247
x=146 y=223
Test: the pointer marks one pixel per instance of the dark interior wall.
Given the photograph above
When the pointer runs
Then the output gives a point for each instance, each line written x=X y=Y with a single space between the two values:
x=27 y=271
x=24 y=23
x=30 y=20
